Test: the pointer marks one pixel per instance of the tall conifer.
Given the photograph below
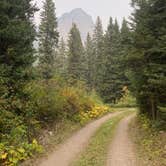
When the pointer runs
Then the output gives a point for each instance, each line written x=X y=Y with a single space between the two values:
x=147 y=57
x=48 y=39
x=17 y=34
x=75 y=54
x=98 y=46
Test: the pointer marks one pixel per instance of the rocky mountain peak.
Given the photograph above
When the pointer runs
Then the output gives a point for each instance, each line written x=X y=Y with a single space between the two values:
x=78 y=16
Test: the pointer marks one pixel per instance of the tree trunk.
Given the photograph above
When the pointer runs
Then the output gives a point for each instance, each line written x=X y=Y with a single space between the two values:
x=153 y=109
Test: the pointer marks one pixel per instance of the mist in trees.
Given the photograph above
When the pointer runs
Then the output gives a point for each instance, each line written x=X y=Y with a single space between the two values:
x=130 y=55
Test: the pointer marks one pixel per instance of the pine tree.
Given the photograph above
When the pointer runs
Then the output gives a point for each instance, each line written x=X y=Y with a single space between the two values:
x=98 y=46
x=61 y=59
x=107 y=91
x=125 y=46
x=125 y=34
x=75 y=54
x=112 y=86
x=147 y=58
x=48 y=39
x=90 y=59
x=17 y=34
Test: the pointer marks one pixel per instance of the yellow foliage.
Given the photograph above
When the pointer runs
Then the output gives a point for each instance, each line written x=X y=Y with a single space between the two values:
x=34 y=142
x=95 y=112
x=4 y=156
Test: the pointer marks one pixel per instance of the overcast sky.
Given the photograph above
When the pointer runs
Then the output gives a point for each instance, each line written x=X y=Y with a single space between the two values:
x=103 y=8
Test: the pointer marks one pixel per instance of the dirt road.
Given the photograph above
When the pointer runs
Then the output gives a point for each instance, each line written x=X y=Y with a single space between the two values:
x=73 y=146
x=121 y=151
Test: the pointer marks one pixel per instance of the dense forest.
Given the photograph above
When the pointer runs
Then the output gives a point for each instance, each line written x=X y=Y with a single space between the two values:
x=71 y=79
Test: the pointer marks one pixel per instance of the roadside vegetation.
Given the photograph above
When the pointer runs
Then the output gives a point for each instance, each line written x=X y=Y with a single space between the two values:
x=52 y=106
x=149 y=140
x=63 y=81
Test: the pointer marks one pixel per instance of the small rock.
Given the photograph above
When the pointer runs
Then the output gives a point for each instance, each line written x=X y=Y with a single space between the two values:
x=50 y=133
x=161 y=132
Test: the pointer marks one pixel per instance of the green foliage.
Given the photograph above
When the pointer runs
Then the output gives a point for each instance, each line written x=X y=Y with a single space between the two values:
x=146 y=60
x=49 y=102
x=46 y=99
x=17 y=34
x=150 y=141
x=61 y=59
x=48 y=39
x=113 y=75
x=14 y=136
x=98 y=47
x=127 y=99
x=90 y=59
x=12 y=155
x=55 y=99
x=29 y=102
x=75 y=54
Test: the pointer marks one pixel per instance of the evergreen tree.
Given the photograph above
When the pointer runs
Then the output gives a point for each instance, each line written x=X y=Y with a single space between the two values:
x=125 y=46
x=48 y=39
x=90 y=59
x=17 y=34
x=147 y=58
x=112 y=86
x=125 y=34
x=61 y=59
x=75 y=54
x=98 y=46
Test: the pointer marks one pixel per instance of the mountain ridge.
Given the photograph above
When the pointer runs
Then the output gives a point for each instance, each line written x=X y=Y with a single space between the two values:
x=78 y=16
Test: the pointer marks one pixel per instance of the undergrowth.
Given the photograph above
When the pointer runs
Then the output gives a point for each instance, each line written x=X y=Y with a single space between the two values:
x=49 y=103
x=150 y=142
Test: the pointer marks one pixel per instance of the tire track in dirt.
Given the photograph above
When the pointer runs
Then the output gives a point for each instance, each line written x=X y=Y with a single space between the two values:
x=121 y=151
x=67 y=152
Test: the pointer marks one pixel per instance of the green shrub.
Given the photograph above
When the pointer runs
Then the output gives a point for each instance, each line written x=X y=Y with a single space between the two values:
x=12 y=155
x=48 y=102
x=14 y=137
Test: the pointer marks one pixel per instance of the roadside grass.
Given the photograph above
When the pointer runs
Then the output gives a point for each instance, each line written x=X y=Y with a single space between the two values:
x=96 y=152
x=52 y=138
x=122 y=109
x=149 y=141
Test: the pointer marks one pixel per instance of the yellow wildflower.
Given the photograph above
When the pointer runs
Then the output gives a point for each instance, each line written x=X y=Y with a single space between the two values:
x=4 y=156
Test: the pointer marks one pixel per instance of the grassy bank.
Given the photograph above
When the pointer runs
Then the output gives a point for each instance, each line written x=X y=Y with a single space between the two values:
x=50 y=139
x=95 y=153
x=150 y=142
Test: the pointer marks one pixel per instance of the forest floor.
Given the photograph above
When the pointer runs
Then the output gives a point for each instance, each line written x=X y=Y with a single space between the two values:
x=120 y=152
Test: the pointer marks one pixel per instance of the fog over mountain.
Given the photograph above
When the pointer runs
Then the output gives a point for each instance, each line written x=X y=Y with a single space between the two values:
x=83 y=21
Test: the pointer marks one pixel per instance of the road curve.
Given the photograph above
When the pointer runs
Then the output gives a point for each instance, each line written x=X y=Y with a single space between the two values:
x=67 y=152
